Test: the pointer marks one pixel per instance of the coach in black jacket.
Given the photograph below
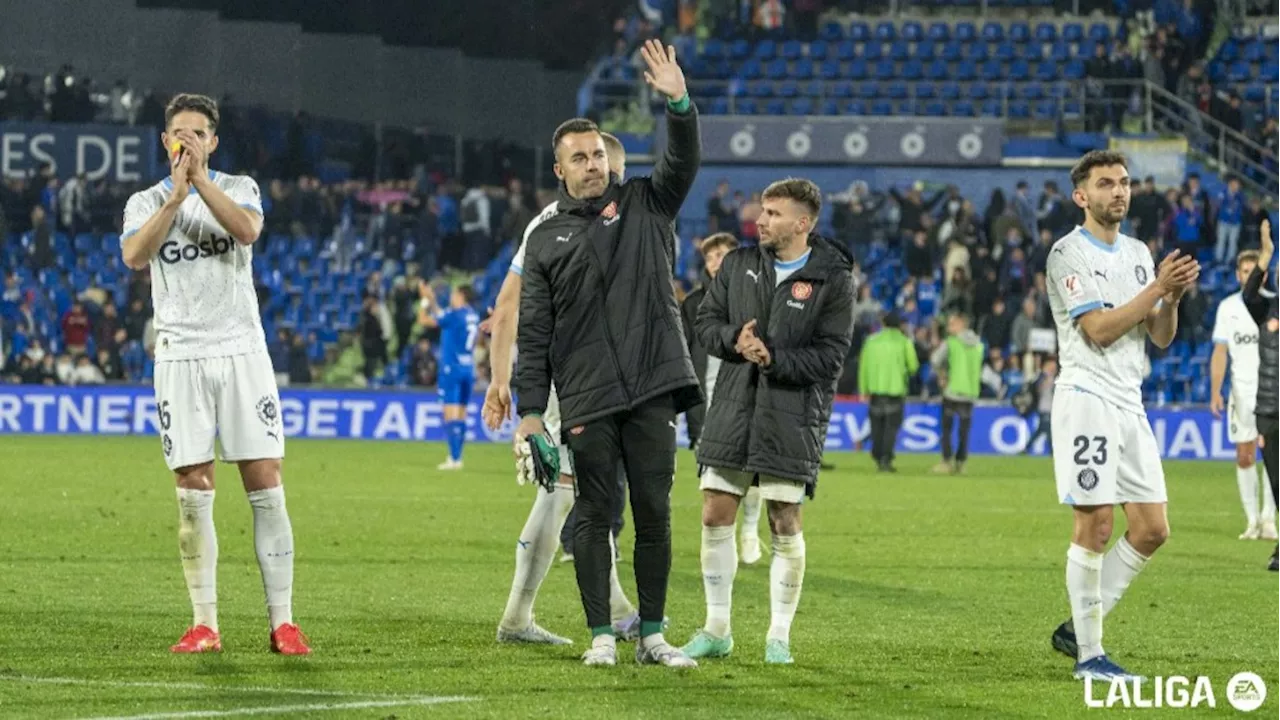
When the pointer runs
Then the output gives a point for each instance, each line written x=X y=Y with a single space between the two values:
x=780 y=317
x=598 y=314
x=1262 y=306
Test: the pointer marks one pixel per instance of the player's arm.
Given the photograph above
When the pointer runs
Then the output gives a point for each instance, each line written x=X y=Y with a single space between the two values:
x=503 y=323
x=1217 y=374
x=822 y=359
x=1255 y=300
x=241 y=216
x=1162 y=322
x=146 y=225
x=715 y=332
x=533 y=333
x=677 y=167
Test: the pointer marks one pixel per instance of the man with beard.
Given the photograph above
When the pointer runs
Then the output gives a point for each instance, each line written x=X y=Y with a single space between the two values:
x=1107 y=298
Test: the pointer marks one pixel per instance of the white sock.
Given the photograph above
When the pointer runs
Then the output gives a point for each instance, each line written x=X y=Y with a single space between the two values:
x=604 y=640
x=751 y=514
x=786 y=576
x=1084 y=588
x=1120 y=566
x=619 y=606
x=653 y=640
x=273 y=539
x=198 y=546
x=535 y=550
x=719 y=565
x=1247 y=481
x=1268 y=502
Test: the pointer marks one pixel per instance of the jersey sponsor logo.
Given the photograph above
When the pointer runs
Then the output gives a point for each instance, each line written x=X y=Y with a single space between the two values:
x=1245 y=338
x=1087 y=479
x=794 y=304
x=1140 y=273
x=1073 y=287
x=801 y=290
x=174 y=252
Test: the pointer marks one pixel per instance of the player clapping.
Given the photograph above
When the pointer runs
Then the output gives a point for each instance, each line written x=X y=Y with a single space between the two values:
x=213 y=377
x=459 y=326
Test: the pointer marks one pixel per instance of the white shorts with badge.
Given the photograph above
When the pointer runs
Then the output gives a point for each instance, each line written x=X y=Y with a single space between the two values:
x=1103 y=455
x=551 y=421
x=232 y=398
x=736 y=482
x=1242 y=424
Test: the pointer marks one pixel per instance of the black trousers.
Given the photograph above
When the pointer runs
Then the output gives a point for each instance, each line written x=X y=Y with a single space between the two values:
x=953 y=410
x=1269 y=430
x=644 y=439
x=1045 y=428
x=619 y=504
x=886 y=419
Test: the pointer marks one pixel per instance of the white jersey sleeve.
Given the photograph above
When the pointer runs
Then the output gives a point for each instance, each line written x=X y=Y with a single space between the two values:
x=517 y=262
x=1221 y=334
x=1071 y=280
x=1235 y=328
x=244 y=191
x=141 y=206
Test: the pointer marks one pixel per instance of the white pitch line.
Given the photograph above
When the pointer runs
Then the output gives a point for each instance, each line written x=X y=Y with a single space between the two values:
x=273 y=710
x=202 y=686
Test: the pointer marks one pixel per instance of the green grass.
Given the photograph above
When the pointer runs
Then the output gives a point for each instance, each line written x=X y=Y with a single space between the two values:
x=925 y=597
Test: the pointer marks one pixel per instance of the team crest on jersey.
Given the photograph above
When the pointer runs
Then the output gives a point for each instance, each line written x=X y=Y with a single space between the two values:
x=801 y=290
x=610 y=213
x=1087 y=479
x=268 y=411
x=1140 y=273
x=167 y=444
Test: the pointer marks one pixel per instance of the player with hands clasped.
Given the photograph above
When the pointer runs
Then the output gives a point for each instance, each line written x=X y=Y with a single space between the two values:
x=213 y=377
x=1262 y=307
x=1107 y=298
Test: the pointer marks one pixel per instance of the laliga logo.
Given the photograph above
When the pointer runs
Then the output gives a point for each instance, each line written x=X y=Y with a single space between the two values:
x=1246 y=692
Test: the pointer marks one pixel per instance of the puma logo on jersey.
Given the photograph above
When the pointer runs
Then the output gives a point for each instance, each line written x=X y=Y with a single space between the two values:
x=1100 y=274
x=753 y=275
x=563 y=238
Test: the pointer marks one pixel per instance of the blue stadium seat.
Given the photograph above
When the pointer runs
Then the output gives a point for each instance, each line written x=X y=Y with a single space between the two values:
x=926 y=91
x=912 y=31
x=830 y=107
x=776 y=69
x=1073 y=70
x=912 y=70
x=896 y=90
x=1073 y=32
x=881 y=108
x=884 y=70
x=1019 y=70
x=1028 y=91
x=856 y=108
x=815 y=89
x=992 y=70
x=1270 y=73
x=846 y=50
x=802 y=69
x=746 y=107
x=936 y=70
x=775 y=107
x=1046 y=32
x=978 y=91
x=715 y=48
x=1060 y=52
x=830 y=70
x=1020 y=32
x=858 y=70
x=926 y=51
x=832 y=32
x=842 y=89
x=802 y=106
x=859 y=31
x=952 y=51
x=935 y=109
x=869 y=90
x=949 y=91
x=1239 y=72
x=760 y=89
x=966 y=32
x=908 y=108
x=740 y=49
x=992 y=108
x=1005 y=52
x=818 y=50
x=886 y=31
x=1255 y=52
x=977 y=52
x=1100 y=32
x=766 y=49
x=1019 y=109
x=1046 y=110
x=966 y=70
x=873 y=51
x=751 y=70
x=791 y=50
x=939 y=32
x=788 y=89
x=992 y=32
x=899 y=51
x=963 y=108
x=1229 y=52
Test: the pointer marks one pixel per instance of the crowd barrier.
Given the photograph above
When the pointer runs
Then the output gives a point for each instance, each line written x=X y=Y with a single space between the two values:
x=1184 y=434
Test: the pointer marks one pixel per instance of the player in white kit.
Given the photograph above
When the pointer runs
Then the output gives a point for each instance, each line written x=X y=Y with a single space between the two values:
x=213 y=377
x=1235 y=335
x=539 y=539
x=1107 y=298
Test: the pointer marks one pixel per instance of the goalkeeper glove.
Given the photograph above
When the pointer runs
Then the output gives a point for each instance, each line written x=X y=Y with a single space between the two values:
x=538 y=460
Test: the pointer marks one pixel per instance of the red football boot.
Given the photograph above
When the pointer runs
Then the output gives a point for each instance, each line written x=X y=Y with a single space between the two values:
x=289 y=640
x=198 y=639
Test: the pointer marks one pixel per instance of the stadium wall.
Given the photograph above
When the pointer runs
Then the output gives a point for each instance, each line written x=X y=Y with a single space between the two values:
x=390 y=415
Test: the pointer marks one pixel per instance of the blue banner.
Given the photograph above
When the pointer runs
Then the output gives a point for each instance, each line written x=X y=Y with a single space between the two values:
x=116 y=152
x=398 y=415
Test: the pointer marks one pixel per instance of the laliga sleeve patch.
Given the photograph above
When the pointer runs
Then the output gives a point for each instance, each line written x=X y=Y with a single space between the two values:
x=1073 y=288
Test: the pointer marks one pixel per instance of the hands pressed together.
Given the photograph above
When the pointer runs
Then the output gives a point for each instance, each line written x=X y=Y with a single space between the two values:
x=751 y=347
x=1176 y=273
x=188 y=165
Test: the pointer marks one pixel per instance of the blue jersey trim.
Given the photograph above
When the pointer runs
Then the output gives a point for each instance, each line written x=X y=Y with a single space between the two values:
x=1082 y=309
x=1098 y=243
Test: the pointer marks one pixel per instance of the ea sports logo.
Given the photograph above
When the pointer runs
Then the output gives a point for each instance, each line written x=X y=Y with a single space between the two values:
x=1246 y=691
x=801 y=290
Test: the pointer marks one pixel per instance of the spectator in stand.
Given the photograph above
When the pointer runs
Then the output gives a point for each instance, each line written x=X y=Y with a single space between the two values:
x=1053 y=212
x=722 y=216
x=993 y=369
x=298 y=362
x=1014 y=274
x=76 y=329
x=866 y=311
x=372 y=340
x=1230 y=218
x=476 y=229
x=423 y=365
x=104 y=330
x=109 y=364
x=1188 y=226
x=747 y=217
x=1043 y=385
x=41 y=240
x=1023 y=324
x=86 y=373
x=1191 y=316
x=1097 y=71
x=1251 y=223
x=912 y=207
x=1023 y=207
x=47 y=372
x=958 y=295
x=996 y=328
x=853 y=219
x=135 y=321
x=519 y=213
x=1039 y=258
x=918 y=258
x=1147 y=209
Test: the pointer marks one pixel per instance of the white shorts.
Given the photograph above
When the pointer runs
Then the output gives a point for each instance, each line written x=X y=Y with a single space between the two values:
x=1242 y=424
x=736 y=482
x=232 y=398
x=551 y=421
x=1103 y=455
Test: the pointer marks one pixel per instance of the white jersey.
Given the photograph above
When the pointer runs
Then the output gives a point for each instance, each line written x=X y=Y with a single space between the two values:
x=1086 y=274
x=201 y=278
x=1234 y=327
x=517 y=262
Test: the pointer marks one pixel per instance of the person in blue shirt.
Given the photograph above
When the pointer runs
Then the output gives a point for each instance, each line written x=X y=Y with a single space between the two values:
x=1230 y=218
x=459 y=326
x=1186 y=226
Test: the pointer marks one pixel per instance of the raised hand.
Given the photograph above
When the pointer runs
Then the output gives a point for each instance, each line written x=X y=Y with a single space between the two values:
x=180 y=170
x=194 y=148
x=1176 y=273
x=664 y=74
x=1268 y=245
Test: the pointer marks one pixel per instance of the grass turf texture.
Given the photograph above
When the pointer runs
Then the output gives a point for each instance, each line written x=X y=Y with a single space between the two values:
x=925 y=596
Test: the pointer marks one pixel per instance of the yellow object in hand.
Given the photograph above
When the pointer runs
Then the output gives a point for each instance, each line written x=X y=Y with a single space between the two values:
x=175 y=148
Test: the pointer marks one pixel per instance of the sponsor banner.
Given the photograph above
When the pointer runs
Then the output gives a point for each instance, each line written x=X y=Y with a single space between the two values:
x=399 y=415
x=848 y=141
x=117 y=152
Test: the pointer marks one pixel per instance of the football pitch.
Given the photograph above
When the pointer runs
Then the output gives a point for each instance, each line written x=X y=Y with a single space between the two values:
x=925 y=596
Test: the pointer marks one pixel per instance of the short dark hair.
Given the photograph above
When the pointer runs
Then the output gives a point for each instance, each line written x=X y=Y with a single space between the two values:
x=468 y=294
x=720 y=239
x=572 y=126
x=1095 y=159
x=799 y=190
x=190 y=102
